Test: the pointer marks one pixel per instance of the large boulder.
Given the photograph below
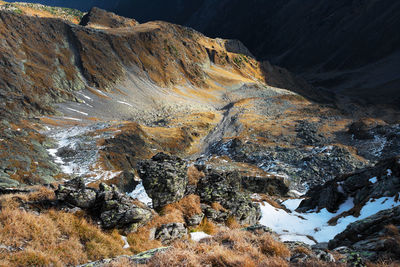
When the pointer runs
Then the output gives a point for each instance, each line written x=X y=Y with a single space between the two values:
x=117 y=210
x=112 y=208
x=75 y=193
x=225 y=188
x=164 y=178
x=167 y=233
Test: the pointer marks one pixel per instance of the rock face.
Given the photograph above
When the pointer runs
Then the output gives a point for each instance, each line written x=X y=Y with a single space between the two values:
x=108 y=205
x=371 y=236
x=170 y=232
x=383 y=180
x=99 y=17
x=164 y=178
x=276 y=186
x=225 y=188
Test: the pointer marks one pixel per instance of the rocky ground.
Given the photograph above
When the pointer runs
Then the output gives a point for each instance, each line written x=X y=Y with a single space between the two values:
x=164 y=139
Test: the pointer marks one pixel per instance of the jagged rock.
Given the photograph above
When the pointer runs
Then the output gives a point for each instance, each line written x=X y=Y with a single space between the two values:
x=141 y=258
x=113 y=209
x=382 y=180
x=195 y=219
x=117 y=210
x=370 y=235
x=225 y=188
x=75 y=193
x=276 y=186
x=100 y=17
x=324 y=256
x=169 y=232
x=125 y=181
x=164 y=178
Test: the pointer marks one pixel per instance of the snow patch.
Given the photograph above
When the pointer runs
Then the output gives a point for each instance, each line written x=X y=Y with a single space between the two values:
x=389 y=172
x=140 y=194
x=373 y=180
x=125 y=103
x=70 y=118
x=77 y=111
x=126 y=244
x=197 y=236
x=294 y=226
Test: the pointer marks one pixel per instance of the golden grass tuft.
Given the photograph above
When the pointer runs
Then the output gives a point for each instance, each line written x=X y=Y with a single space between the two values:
x=51 y=238
x=207 y=227
x=194 y=175
x=226 y=248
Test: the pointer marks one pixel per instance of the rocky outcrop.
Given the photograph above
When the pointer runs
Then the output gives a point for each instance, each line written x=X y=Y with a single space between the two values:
x=169 y=232
x=97 y=17
x=164 y=178
x=383 y=180
x=275 y=186
x=112 y=208
x=225 y=189
x=372 y=236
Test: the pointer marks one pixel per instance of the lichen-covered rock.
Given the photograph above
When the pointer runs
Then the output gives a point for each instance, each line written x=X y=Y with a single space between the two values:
x=169 y=232
x=75 y=193
x=195 y=219
x=164 y=178
x=112 y=208
x=117 y=210
x=225 y=188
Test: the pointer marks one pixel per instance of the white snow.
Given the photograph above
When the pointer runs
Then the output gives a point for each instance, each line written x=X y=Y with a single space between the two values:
x=140 y=194
x=77 y=111
x=70 y=118
x=125 y=103
x=389 y=172
x=373 y=180
x=294 y=226
x=197 y=236
x=126 y=244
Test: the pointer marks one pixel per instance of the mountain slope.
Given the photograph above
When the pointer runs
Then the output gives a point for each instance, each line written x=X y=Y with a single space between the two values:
x=348 y=47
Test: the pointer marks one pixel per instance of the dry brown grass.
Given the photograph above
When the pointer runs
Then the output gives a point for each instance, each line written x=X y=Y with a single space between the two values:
x=51 y=238
x=232 y=223
x=226 y=248
x=207 y=227
x=188 y=206
x=194 y=175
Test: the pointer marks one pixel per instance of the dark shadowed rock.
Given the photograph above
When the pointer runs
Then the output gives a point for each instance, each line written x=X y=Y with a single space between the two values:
x=382 y=180
x=164 y=178
x=102 y=18
x=274 y=185
x=225 y=188
x=371 y=236
x=75 y=193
